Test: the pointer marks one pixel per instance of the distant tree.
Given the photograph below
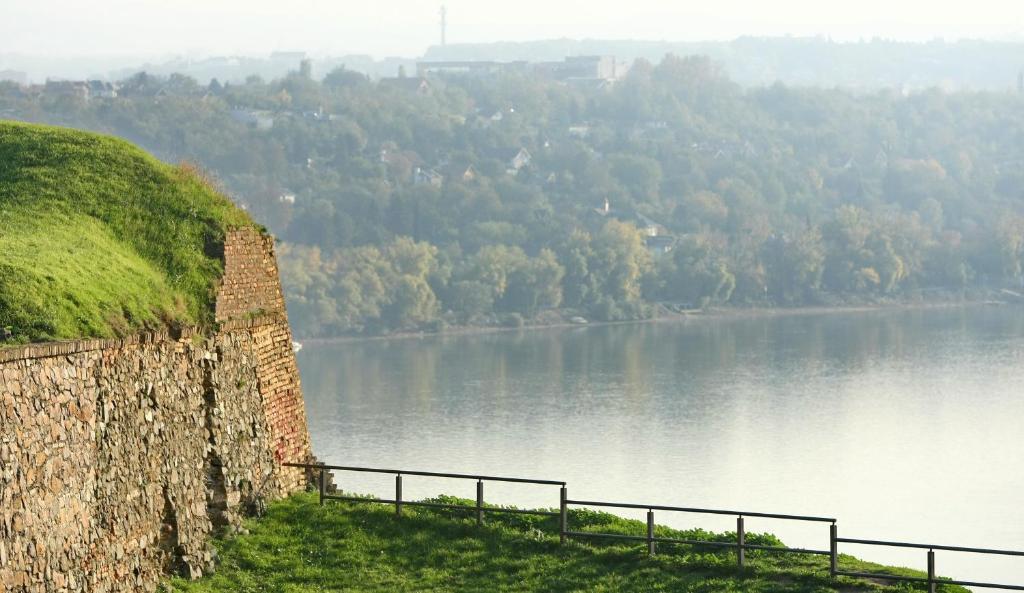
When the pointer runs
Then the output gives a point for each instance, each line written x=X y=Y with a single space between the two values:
x=698 y=274
x=342 y=77
x=621 y=261
x=413 y=303
x=470 y=299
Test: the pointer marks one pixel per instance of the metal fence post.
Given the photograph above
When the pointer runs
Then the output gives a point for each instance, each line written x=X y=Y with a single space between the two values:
x=563 y=516
x=931 y=571
x=479 y=502
x=833 y=550
x=323 y=483
x=741 y=541
x=650 y=533
x=398 y=495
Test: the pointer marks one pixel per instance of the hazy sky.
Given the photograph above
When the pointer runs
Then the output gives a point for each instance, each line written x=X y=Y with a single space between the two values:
x=407 y=27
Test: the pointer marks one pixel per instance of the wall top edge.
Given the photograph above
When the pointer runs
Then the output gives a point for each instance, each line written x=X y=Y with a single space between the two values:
x=69 y=347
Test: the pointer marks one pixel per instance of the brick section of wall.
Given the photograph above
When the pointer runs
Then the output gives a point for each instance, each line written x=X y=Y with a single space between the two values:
x=250 y=283
x=118 y=458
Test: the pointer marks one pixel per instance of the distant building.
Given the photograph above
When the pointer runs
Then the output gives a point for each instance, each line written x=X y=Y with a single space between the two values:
x=67 y=88
x=14 y=76
x=650 y=228
x=460 y=172
x=80 y=89
x=319 y=115
x=657 y=239
x=427 y=177
x=99 y=89
x=417 y=85
x=579 y=130
x=659 y=245
x=470 y=68
x=592 y=68
x=260 y=120
x=521 y=159
x=571 y=69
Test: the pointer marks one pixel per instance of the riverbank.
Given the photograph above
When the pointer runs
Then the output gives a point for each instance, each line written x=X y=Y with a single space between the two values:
x=667 y=316
x=300 y=546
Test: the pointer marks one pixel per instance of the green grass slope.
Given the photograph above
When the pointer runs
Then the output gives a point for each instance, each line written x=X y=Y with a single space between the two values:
x=301 y=547
x=100 y=239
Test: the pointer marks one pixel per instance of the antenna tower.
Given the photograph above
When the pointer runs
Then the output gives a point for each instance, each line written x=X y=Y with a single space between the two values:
x=444 y=25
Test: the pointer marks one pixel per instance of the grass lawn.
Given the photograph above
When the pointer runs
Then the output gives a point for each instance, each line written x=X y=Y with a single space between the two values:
x=299 y=546
x=99 y=239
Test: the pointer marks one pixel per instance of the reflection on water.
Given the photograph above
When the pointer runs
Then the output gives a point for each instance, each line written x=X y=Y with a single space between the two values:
x=902 y=424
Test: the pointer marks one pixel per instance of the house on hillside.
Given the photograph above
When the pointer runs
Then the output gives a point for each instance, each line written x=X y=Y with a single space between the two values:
x=659 y=245
x=259 y=120
x=520 y=160
x=67 y=88
x=881 y=158
x=99 y=89
x=579 y=131
x=459 y=172
x=319 y=115
x=648 y=227
x=415 y=85
x=429 y=177
x=657 y=238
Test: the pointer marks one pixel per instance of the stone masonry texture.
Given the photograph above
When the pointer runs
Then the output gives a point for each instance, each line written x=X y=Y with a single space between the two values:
x=119 y=458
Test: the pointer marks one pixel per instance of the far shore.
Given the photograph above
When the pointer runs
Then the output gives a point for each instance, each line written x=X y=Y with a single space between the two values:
x=713 y=314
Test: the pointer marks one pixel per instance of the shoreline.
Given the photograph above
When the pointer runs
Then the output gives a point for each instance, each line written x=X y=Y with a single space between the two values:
x=714 y=314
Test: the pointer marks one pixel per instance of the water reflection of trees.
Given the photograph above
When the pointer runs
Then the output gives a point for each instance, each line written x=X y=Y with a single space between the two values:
x=629 y=363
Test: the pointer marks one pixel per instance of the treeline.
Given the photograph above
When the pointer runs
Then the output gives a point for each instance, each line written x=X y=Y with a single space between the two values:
x=407 y=204
x=405 y=284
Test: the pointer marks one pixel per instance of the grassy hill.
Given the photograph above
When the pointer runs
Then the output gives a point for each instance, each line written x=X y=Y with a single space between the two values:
x=302 y=547
x=99 y=239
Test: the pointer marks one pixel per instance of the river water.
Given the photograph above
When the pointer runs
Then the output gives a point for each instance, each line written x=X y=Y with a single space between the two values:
x=902 y=424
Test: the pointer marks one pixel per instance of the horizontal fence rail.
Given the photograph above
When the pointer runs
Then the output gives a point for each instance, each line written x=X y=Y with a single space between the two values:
x=480 y=509
x=932 y=580
x=377 y=470
x=655 y=507
x=740 y=544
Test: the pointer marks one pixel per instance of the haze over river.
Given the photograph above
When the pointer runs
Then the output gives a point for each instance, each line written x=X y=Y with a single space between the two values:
x=903 y=424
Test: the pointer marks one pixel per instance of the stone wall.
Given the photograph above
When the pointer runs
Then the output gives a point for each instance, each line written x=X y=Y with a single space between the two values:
x=119 y=458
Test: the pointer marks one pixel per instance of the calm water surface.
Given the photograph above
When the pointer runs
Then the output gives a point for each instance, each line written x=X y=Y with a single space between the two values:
x=904 y=425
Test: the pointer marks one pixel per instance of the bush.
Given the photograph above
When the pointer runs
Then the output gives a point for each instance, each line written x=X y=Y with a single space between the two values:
x=511 y=320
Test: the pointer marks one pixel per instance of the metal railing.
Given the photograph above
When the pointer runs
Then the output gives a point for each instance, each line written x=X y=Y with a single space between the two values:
x=932 y=579
x=399 y=502
x=739 y=544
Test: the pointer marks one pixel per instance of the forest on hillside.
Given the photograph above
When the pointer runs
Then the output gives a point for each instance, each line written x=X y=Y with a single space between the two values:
x=406 y=204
